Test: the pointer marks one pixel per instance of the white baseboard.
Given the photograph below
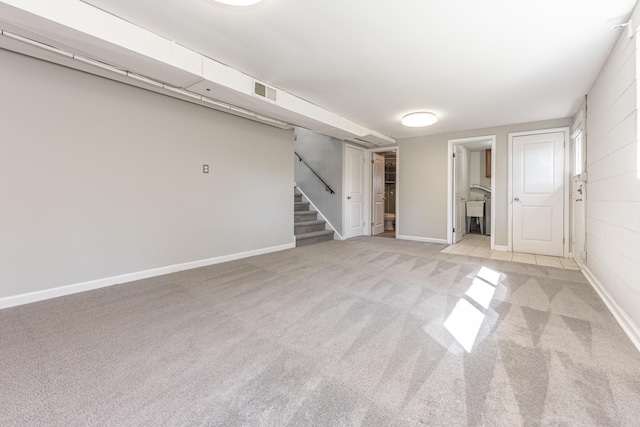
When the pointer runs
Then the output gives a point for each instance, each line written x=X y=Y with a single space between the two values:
x=422 y=239
x=624 y=320
x=30 y=297
x=501 y=248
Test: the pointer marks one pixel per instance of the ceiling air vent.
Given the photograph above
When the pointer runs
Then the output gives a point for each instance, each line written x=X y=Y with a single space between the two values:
x=264 y=91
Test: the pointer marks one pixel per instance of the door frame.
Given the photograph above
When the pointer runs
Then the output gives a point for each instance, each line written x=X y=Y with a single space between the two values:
x=369 y=195
x=365 y=185
x=565 y=193
x=457 y=172
x=578 y=128
x=374 y=200
x=451 y=201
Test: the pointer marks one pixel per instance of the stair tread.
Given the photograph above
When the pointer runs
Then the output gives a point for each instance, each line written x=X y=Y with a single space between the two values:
x=307 y=223
x=306 y=214
x=314 y=234
x=305 y=220
x=300 y=206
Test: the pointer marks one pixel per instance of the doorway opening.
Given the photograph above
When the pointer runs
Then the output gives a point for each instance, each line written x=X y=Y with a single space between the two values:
x=384 y=193
x=471 y=183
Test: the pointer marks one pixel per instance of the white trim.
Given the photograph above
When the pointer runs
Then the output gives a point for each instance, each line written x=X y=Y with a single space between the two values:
x=493 y=192
x=462 y=141
x=624 y=320
x=578 y=124
x=509 y=193
x=398 y=216
x=60 y=291
x=371 y=208
x=501 y=248
x=422 y=239
x=567 y=195
x=386 y=149
x=338 y=235
x=367 y=199
x=450 y=201
x=566 y=189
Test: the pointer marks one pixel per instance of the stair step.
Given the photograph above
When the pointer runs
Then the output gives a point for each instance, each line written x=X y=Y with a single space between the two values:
x=310 y=222
x=307 y=228
x=300 y=206
x=314 y=237
x=305 y=216
x=303 y=227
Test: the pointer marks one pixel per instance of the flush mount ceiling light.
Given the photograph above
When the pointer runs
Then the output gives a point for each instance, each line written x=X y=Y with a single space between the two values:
x=418 y=120
x=238 y=2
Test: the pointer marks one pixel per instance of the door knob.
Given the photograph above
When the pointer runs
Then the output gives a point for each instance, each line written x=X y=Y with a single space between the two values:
x=516 y=199
x=348 y=197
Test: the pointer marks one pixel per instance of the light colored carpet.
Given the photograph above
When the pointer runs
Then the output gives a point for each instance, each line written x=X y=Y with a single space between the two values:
x=370 y=332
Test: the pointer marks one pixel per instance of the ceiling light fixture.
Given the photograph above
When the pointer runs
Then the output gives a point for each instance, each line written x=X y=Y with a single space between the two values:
x=418 y=120
x=239 y=2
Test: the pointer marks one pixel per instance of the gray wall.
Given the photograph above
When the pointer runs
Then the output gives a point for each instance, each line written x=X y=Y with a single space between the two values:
x=613 y=186
x=99 y=179
x=324 y=154
x=423 y=179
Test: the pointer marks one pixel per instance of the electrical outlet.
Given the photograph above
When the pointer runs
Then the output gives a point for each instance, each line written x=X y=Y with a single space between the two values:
x=205 y=168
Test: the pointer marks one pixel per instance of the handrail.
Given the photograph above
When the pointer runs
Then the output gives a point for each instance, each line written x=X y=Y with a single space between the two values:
x=326 y=186
x=481 y=187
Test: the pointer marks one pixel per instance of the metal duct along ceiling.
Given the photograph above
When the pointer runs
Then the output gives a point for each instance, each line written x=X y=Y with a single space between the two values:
x=82 y=37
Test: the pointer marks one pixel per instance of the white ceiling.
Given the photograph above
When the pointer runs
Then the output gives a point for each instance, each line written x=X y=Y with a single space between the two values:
x=474 y=63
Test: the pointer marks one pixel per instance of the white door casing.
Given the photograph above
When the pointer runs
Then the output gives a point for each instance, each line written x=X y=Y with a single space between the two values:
x=537 y=199
x=354 y=192
x=454 y=217
x=458 y=200
x=578 y=192
x=378 y=194
x=578 y=232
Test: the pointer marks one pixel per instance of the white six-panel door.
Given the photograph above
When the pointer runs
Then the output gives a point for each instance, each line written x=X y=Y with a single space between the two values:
x=354 y=192
x=538 y=193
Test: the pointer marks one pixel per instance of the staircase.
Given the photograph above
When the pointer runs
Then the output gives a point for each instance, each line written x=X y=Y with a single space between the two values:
x=308 y=229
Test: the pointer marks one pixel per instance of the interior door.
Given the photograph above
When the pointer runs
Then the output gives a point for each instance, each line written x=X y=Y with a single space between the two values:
x=354 y=192
x=458 y=199
x=378 y=194
x=538 y=193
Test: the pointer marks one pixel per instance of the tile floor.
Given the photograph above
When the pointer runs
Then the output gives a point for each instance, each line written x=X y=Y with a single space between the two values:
x=387 y=233
x=480 y=246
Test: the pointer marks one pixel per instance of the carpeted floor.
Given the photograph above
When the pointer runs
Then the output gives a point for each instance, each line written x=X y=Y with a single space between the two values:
x=370 y=331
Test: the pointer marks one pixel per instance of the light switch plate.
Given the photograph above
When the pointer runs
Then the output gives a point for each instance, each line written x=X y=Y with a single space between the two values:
x=205 y=168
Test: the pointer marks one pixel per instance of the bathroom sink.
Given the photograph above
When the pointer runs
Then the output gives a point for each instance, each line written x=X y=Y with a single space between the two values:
x=475 y=209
